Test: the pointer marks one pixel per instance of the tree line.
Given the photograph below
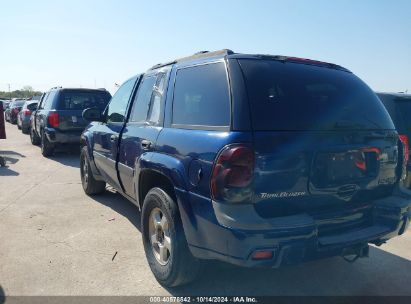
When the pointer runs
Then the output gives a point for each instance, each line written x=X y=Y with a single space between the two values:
x=25 y=92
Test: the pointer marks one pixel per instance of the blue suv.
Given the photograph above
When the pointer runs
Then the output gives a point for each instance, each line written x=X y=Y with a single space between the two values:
x=254 y=160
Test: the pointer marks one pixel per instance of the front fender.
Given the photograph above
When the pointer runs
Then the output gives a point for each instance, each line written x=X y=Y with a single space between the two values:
x=86 y=140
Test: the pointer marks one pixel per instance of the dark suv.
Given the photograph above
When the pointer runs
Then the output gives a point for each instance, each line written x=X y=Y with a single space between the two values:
x=398 y=106
x=58 y=118
x=253 y=160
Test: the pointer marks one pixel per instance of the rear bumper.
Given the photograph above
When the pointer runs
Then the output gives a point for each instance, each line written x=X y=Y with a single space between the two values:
x=233 y=233
x=57 y=137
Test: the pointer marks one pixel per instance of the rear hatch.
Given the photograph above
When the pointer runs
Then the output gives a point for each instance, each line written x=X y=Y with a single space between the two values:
x=71 y=104
x=324 y=142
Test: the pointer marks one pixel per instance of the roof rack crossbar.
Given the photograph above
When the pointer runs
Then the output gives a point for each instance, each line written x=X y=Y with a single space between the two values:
x=198 y=55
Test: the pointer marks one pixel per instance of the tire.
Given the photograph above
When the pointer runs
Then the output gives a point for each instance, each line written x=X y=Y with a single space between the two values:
x=25 y=130
x=34 y=138
x=47 y=149
x=177 y=266
x=91 y=186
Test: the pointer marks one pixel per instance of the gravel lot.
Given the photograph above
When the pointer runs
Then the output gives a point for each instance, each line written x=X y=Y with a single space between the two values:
x=55 y=240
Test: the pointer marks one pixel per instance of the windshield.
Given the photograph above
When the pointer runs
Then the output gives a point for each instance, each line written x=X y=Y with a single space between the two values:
x=80 y=100
x=292 y=96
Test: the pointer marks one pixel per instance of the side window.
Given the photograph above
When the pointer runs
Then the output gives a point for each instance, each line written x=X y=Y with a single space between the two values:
x=155 y=104
x=201 y=96
x=49 y=100
x=116 y=109
x=142 y=100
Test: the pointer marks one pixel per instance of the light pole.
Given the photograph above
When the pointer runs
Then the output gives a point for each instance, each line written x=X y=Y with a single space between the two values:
x=9 y=91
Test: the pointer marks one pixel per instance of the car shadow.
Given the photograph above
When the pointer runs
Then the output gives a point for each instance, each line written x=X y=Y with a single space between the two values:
x=6 y=171
x=381 y=274
x=70 y=157
x=8 y=156
x=7 y=152
x=121 y=205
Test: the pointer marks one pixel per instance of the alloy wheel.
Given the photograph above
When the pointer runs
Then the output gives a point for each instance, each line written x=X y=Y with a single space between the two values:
x=159 y=233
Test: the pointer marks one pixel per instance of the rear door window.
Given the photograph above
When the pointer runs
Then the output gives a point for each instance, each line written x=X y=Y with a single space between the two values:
x=80 y=100
x=294 y=96
x=201 y=97
x=142 y=99
x=48 y=102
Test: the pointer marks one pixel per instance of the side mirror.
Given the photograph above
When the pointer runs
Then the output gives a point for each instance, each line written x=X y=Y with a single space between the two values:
x=92 y=114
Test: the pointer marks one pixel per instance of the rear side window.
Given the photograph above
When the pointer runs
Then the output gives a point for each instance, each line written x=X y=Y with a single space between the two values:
x=80 y=100
x=293 y=96
x=201 y=96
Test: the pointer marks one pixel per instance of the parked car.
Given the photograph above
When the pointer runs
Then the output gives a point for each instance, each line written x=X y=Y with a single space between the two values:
x=35 y=98
x=13 y=109
x=398 y=106
x=23 y=118
x=58 y=118
x=254 y=160
x=5 y=103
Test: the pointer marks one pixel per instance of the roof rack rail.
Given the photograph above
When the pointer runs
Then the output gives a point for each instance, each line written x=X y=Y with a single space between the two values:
x=57 y=87
x=198 y=55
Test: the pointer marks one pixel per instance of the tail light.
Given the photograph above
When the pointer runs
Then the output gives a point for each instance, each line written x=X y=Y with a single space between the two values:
x=27 y=112
x=53 y=119
x=15 y=110
x=406 y=147
x=233 y=174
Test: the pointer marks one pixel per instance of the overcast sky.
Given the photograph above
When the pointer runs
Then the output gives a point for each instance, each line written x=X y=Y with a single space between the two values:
x=96 y=44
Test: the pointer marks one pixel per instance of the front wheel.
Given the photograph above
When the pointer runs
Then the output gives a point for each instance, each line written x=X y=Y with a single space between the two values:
x=165 y=246
x=90 y=185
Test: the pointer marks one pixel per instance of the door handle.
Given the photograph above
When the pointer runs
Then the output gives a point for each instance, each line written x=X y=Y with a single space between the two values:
x=146 y=144
x=113 y=138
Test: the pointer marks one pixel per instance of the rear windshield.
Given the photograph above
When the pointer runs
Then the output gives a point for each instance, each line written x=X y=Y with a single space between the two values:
x=80 y=100
x=32 y=106
x=18 y=103
x=293 y=96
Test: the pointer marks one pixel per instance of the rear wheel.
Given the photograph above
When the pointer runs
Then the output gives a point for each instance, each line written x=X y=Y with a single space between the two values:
x=165 y=246
x=90 y=185
x=34 y=138
x=24 y=130
x=47 y=148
